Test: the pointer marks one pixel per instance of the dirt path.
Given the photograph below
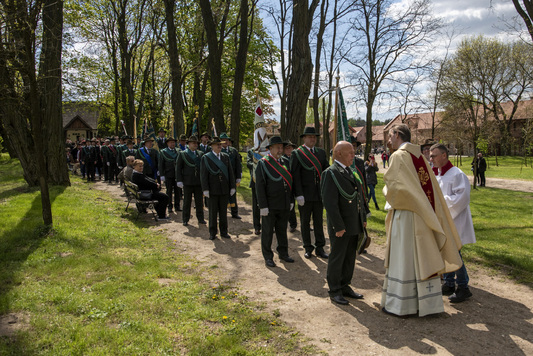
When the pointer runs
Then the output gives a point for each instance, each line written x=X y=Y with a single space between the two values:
x=497 y=320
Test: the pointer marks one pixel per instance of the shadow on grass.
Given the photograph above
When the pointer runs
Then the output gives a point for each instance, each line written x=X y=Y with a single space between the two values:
x=16 y=245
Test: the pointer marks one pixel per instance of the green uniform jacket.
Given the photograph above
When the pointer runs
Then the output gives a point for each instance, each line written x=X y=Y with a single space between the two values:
x=307 y=181
x=167 y=162
x=272 y=190
x=187 y=169
x=345 y=206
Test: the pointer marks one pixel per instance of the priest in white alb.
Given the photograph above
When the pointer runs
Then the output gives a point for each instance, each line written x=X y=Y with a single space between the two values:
x=422 y=242
x=455 y=187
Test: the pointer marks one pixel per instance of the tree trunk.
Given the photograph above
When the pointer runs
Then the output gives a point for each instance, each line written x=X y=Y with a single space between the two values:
x=214 y=62
x=299 y=86
x=51 y=94
x=175 y=68
x=316 y=101
x=240 y=70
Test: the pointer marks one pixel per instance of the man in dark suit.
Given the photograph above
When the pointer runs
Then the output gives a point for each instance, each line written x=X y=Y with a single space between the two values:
x=358 y=166
x=167 y=171
x=204 y=146
x=255 y=206
x=236 y=163
x=161 y=139
x=218 y=184
x=307 y=164
x=89 y=158
x=150 y=157
x=188 y=178
x=182 y=145
x=287 y=153
x=343 y=198
x=110 y=158
x=128 y=151
x=274 y=194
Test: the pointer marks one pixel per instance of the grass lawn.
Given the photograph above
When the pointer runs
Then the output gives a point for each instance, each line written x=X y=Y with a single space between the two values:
x=93 y=285
x=503 y=221
x=510 y=167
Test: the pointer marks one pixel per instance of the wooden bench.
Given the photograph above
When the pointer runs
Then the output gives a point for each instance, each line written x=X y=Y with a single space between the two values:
x=132 y=194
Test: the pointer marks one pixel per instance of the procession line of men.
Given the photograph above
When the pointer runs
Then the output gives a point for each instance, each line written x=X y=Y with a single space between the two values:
x=422 y=224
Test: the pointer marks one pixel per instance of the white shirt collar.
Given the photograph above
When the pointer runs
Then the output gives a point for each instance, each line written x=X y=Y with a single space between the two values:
x=342 y=165
x=403 y=144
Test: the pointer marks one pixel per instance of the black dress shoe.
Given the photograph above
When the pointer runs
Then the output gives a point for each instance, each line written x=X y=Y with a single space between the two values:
x=236 y=217
x=339 y=299
x=270 y=263
x=352 y=294
x=212 y=237
x=203 y=222
x=447 y=290
x=321 y=253
x=460 y=295
x=226 y=236
x=293 y=229
x=257 y=232
x=286 y=259
x=308 y=254
x=185 y=223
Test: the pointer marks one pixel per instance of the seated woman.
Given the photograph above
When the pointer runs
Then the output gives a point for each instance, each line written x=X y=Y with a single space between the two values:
x=146 y=183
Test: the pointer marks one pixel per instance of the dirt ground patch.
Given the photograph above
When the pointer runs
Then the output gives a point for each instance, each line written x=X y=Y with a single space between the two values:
x=13 y=322
x=497 y=320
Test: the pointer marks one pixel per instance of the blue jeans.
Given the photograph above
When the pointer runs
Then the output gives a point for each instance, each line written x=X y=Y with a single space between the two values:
x=460 y=276
x=372 y=193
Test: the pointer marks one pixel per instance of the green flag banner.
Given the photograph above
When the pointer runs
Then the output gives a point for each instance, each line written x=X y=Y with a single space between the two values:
x=343 y=131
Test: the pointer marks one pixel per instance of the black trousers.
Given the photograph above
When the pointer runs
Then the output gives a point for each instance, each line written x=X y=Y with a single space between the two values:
x=234 y=208
x=255 y=210
x=481 y=178
x=218 y=207
x=90 y=168
x=293 y=222
x=316 y=210
x=188 y=191
x=112 y=172
x=275 y=220
x=173 y=192
x=162 y=202
x=341 y=263
x=106 y=173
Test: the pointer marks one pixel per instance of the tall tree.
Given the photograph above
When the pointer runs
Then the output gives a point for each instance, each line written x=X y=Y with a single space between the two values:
x=240 y=65
x=389 y=40
x=299 y=85
x=525 y=10
x=30 y=92
x=280 y=53
x=175 y=66
x=215 y=42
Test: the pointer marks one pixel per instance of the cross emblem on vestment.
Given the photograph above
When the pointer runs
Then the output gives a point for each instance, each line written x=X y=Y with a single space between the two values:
x=429 y=287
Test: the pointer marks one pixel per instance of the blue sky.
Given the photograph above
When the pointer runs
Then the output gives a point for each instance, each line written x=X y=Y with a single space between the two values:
x=468 y=17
